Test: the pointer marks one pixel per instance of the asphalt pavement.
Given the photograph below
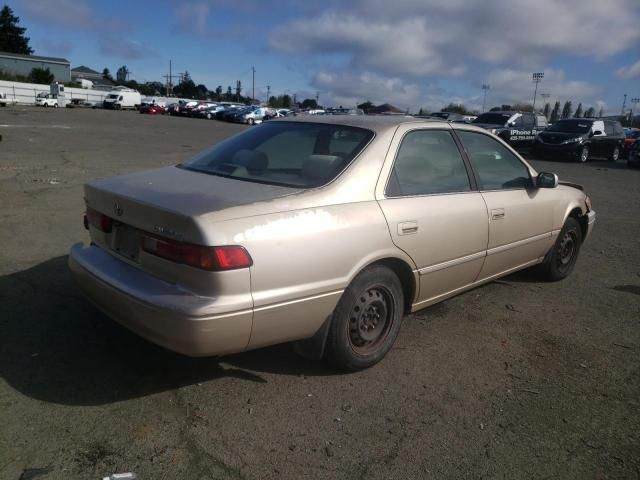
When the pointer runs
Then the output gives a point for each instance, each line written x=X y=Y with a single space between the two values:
x=515 y=379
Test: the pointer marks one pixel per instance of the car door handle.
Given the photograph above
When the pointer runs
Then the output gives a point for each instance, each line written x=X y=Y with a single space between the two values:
x=497 y=214
x=407 y=228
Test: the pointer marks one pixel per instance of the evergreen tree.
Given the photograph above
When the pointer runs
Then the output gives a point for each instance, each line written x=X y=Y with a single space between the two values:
x=547 y=110
x=122 y=74
x=219 y=92
x=566 y=109
x=601 y=112
x=555 y=113
x=106 y=74
x=578 y=113
x=229 y=94
x=12 y=37
x=590 y=112
x=41 y=75
x=420 y=112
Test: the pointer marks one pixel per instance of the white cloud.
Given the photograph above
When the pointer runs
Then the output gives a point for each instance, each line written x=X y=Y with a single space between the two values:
x=419 y=37
x=629 y=71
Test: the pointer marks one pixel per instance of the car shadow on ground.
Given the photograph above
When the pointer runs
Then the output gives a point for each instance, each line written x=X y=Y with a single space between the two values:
x=58 y=348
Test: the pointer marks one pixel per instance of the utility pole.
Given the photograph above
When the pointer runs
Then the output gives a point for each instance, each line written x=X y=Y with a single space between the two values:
x=624 y=104
x=268 y=95
x=253 y=83
x=537 y=78
x=485 y=88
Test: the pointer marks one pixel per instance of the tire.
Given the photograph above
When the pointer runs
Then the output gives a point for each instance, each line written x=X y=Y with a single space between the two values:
x=208 y=116
x=615 y=154
x=45 y=104
x=561 y=259
x=583 y=154
x=366 y=321
x=55 y=105
x=251 y=121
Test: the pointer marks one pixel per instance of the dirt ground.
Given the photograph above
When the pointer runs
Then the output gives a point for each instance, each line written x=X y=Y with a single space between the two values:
x=516 y=379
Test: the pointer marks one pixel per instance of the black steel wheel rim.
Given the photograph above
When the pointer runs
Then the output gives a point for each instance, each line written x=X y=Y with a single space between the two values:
x=567 y=250
x=370 y=320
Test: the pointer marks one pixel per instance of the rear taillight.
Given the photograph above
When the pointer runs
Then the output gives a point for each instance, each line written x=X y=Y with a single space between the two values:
x=98 y=220
x=207 y=258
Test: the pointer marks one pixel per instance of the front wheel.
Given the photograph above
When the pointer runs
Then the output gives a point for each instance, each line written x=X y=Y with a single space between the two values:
x=366 y=321
x=615 y=154
x=250 y=121
x=561 y=259
x=583 y=155
x=55 y=105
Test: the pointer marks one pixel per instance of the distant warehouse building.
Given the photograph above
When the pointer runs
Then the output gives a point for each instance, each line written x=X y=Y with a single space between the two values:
x=17 y=64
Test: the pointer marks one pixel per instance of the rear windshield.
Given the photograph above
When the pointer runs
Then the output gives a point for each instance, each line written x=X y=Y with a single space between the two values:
x=571 y=126
x=285 y=153
x=493 y=118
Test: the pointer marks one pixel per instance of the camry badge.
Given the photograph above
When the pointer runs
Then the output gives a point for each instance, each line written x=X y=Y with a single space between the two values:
x=117 y=209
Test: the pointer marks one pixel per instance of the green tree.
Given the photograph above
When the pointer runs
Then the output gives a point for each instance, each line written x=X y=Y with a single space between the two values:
x=601 y=112
x=578 y=113
x=229 y=94
x=522 y=107
x=186 y=88
x=286 y=101
x=106 y=74
x=41 y=75
x=590 y=112
x=420 y=112
x=555 y=113
x=547 y=110
x=202 y=91
x=238 y=90
x=12 y=37
x=566 y=110
x=309 y=103
x=456 y=108
x=366 y=106
x=219 y=92
x=122 y=74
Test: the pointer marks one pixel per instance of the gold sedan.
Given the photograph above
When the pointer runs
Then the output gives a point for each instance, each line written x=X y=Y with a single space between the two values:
x=324 y=230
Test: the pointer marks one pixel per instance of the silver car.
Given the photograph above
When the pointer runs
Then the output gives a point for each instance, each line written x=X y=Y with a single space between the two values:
x=325 y=231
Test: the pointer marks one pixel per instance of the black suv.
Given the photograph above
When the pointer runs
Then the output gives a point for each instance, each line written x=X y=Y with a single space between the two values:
x=582 y=138
x=518 y=129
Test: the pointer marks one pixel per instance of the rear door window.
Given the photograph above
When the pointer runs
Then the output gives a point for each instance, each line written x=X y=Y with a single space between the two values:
x=608 y=128
x=428 y=162
x=528 y=121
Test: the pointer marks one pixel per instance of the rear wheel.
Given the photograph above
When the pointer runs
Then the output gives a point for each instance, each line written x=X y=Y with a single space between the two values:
x=583 y=155
x=45 y=104
x=366 y=321
x=561 y=259
x=615 y=154
x=250 y=121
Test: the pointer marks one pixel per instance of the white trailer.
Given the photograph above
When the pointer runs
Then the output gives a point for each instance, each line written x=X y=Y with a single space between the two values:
x=122 y=98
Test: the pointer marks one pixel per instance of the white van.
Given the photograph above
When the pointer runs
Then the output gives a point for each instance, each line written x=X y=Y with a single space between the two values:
x=122 y=98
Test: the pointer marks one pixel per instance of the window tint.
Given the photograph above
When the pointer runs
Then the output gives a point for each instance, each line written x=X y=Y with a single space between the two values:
x=294 y=154
x=542 y=121
x=518 y=122
x=608 y=128
x=528 y=121
x=497 y=167
x=428 y=162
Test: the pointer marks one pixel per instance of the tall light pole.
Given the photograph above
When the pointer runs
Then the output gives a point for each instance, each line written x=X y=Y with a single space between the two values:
x=253 y=84
x=485 y=87
x=537 y=78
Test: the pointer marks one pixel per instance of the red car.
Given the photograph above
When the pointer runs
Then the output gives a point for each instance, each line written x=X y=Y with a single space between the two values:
x=152 y=109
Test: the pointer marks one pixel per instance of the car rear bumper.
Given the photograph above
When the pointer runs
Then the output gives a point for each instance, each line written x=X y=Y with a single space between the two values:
x=161 y=312
x=591 y=220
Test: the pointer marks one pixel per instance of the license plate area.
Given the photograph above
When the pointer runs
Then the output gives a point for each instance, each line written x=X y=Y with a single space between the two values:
x=126 y=241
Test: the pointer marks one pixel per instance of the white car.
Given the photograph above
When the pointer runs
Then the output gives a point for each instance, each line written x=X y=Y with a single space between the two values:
x=47 y=100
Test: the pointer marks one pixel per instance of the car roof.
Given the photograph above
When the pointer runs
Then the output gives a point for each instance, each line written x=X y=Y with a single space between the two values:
x=377 y=123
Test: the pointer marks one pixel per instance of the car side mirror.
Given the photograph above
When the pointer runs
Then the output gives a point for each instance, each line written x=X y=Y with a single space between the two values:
x=547 y=180
x=596 y=133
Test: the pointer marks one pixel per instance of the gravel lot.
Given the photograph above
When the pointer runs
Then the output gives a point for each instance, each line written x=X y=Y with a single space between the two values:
x=516 y=379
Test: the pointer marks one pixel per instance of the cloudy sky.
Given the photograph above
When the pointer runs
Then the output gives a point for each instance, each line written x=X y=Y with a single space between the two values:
x=411 y=53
